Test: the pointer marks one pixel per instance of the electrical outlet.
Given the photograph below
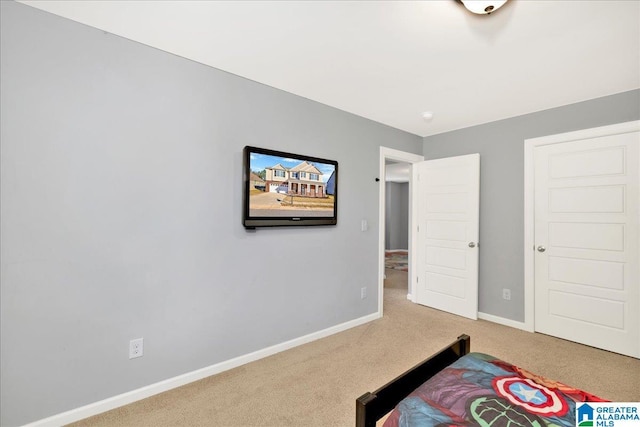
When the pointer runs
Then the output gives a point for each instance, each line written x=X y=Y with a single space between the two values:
x=363 y=293
x=506 y=294
x=136 y=348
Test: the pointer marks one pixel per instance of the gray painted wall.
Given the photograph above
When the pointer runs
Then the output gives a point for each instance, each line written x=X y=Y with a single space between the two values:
x=121 y=216
x=397 y=215
x=501 y=148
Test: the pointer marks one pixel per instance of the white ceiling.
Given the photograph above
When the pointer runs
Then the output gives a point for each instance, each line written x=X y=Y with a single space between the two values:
x=389 y=61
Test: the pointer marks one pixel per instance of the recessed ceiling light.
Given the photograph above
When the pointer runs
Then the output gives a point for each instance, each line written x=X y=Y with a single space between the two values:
x=427 y=116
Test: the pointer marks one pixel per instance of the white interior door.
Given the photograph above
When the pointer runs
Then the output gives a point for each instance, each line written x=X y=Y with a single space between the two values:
x=586 y=241
x=448 y=221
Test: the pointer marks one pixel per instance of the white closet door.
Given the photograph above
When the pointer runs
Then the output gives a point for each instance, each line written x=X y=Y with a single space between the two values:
x=586 y=242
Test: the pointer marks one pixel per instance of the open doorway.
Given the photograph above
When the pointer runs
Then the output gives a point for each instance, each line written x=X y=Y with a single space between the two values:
x=396 y=234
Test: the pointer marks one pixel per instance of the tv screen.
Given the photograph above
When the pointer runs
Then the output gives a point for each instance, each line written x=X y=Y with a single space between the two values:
x=286 y=189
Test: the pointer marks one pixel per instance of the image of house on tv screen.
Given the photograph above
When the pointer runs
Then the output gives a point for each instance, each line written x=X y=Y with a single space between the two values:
x=280 y=186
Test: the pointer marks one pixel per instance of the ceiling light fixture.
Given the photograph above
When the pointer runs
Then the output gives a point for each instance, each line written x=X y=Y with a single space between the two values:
x=482 y=7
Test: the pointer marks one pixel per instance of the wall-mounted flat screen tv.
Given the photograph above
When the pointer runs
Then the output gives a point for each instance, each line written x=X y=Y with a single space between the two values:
x=285 y=189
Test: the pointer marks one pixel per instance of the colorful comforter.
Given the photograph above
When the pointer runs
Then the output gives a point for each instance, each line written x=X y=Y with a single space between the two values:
x=481 y=390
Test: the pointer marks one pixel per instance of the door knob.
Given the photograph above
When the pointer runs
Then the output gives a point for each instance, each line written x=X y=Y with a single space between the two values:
x=472 y=245
x=541 y=249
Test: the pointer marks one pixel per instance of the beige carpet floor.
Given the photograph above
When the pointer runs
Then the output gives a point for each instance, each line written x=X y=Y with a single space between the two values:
x=316 y=384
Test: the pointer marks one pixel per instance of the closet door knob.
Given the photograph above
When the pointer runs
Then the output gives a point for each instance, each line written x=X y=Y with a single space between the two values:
x=541 y=249
x=472 y=245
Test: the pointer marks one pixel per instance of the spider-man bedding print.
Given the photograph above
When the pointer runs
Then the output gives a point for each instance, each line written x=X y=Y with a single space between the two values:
x=479 y=389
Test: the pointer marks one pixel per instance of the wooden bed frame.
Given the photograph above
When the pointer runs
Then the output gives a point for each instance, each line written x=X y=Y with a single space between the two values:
x=370 y=407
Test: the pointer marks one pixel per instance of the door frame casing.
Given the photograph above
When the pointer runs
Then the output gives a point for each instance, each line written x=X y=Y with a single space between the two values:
x=404 y=157
x=529 y=201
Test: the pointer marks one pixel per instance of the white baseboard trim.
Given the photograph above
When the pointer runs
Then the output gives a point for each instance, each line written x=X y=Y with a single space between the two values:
x=180 y=380
x=504 y=321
